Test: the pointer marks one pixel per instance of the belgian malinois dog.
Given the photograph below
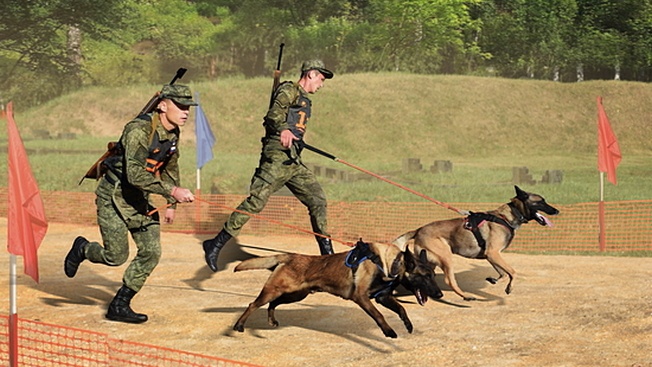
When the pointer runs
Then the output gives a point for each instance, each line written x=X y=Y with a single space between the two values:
x=370 y=270
x=477 y=236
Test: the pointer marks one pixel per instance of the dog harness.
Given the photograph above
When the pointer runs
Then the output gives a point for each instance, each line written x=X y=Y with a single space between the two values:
x=474 y=221
x=360 y=253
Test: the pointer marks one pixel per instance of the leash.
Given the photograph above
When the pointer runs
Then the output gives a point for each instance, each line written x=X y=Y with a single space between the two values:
x=346 y=243
x=330 y=156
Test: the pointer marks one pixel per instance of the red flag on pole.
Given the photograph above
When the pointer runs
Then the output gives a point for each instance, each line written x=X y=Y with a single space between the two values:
x=26 y=218
x=608 y=150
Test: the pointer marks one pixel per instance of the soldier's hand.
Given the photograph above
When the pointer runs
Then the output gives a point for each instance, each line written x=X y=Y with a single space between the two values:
x=169 y=215
x=182 y=195
x=287 y=138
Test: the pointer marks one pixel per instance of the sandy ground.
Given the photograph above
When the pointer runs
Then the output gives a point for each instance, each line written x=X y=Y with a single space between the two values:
x=564 y=310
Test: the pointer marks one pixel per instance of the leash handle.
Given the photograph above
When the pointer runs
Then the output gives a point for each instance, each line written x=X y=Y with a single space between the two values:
x=320 y=152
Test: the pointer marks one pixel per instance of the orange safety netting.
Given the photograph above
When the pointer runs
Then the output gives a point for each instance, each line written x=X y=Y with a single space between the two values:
x=41 y=344
x=627 y=223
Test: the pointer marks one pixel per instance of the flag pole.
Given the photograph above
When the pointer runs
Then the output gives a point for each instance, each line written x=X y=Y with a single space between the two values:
x=13 y=315
x=601 y=186
x=198 y=184
x=601 y=221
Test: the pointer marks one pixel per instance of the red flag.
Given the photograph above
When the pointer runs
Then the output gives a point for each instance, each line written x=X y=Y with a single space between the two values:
x=608 y=150
x=26 y=218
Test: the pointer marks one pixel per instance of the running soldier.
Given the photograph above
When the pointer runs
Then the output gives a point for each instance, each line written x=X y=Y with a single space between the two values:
x=280 y=162
x=146 y=163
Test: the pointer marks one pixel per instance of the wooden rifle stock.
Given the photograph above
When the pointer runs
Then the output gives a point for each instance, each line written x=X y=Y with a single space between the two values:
x=97 y=170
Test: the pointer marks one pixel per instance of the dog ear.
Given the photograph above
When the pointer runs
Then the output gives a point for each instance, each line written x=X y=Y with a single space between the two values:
x=423 y=256
x=520 y=194
x=409 y=260
x=396 y=266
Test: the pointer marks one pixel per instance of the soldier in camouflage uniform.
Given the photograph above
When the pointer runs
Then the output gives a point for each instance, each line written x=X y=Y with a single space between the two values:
x=280 y=162
x=146 y=163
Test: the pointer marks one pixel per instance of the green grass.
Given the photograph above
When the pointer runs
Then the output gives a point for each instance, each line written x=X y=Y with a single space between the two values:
x=484 y=126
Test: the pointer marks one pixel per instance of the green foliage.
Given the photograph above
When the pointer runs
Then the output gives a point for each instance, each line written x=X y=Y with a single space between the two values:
x=109 y=64
x=135 y=41
x=411 y=35
x=33 y=37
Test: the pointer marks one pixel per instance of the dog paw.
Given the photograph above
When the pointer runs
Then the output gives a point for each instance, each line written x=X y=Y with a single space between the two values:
x=239 y=328
x=390 y=333
x=408 y=326
x=467 y=298
x=492 y=280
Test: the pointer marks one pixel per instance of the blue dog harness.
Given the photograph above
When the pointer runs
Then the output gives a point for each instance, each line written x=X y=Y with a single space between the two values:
x=360 y=253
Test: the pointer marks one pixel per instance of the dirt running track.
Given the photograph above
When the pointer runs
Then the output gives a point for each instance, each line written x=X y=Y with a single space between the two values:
x=564 y=310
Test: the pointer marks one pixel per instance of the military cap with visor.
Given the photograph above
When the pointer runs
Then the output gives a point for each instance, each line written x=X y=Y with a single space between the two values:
x=180 y=94
x=316 y=65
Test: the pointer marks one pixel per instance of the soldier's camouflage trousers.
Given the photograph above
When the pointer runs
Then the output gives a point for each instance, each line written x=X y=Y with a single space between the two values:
x=275 y=170
x=115 y=232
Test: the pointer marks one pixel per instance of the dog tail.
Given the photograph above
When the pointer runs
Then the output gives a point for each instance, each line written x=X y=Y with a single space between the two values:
x=265 y=262
x=401 y=241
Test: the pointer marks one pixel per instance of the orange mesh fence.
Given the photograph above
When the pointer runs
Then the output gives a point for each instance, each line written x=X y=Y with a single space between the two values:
x=628 y=225
x=42 y=345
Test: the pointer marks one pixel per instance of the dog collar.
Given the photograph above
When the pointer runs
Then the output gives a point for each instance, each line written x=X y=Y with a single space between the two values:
x=517 y=213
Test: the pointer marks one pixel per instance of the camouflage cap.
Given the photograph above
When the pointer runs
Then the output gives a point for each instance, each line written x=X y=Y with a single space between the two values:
x=178 y=93
x=316 y=65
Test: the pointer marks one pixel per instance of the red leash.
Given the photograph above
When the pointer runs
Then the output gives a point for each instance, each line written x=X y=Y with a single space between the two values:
x=328 y=155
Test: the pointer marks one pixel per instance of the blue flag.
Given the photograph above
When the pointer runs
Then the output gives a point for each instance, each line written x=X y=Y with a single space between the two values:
x=205 y=137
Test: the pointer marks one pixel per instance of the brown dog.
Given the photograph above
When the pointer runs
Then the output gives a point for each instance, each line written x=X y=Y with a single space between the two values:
x=370 y=270
x=478 y=236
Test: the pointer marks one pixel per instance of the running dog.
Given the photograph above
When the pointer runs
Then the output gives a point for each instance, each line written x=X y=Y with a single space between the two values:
x=369 y=271
x=477 y=236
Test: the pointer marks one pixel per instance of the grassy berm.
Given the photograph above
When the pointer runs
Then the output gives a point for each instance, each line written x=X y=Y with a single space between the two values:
x=483 y=126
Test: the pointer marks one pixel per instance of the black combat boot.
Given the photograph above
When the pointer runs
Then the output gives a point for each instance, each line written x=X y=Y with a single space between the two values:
x=75 y=256
x=325 y=245
x=119 y=309
x=213 y=246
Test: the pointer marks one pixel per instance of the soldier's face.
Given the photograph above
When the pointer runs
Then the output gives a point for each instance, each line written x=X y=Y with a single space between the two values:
x=176 y=114
x=315 y=81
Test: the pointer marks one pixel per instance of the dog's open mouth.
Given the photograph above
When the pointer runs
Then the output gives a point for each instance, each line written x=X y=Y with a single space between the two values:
x=421 y=297
x=541 y=219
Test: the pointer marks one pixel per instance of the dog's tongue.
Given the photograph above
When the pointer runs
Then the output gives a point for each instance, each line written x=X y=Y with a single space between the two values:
x=544 y=219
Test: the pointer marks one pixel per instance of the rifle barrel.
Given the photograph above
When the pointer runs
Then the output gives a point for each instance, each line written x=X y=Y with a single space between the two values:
x=280 y=56
x=178 y=75
x=149 y=107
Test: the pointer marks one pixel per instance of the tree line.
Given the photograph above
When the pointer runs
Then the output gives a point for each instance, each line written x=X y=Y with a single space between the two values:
x=50 y=47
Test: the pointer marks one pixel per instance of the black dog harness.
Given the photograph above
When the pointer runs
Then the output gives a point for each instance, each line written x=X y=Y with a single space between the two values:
x=474 y=221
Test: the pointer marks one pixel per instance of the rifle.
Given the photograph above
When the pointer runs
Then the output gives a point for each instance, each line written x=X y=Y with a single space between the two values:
x=98 y=170
x=277 y=75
